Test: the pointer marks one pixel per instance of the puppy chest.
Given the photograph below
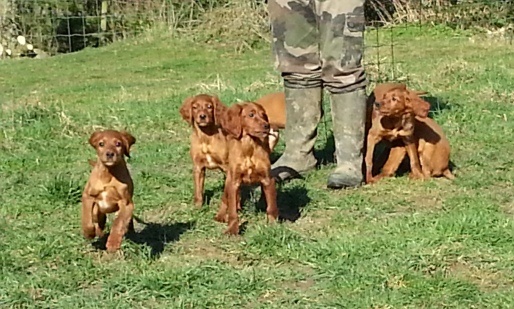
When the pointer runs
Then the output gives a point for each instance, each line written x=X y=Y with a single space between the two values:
x=209 y=155
x=108 y=200
x=251 y=171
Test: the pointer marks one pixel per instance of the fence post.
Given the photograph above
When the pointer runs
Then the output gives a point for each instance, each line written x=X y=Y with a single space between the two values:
x=103 y=20
x=5 y=10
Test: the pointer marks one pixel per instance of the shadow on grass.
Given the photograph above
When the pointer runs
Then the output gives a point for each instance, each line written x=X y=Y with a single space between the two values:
x=437 y=105
x=326 y=155
x=154 y=235
x=290 y=202
x=209 y=194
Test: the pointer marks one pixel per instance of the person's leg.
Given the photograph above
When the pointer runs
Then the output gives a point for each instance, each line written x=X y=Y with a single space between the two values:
x=295 y=47
x=342 y=46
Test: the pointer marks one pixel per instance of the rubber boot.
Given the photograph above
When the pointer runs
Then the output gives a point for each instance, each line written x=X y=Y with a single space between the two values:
x=348 y=118
x=303 y=113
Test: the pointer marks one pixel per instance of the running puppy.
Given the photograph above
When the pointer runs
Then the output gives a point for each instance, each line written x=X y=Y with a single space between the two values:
x=109 y=188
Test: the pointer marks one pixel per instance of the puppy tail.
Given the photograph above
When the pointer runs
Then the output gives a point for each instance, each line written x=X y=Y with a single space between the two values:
x=448 y=174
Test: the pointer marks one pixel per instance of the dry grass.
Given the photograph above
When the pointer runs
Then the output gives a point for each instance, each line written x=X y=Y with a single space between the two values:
x=474 y=14
x=241 y=24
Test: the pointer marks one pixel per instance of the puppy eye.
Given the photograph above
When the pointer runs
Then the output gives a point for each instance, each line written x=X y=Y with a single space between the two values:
x=251 y=115
x=209 y=106
x=195 y=107
x=101 y=144
x=118 y=144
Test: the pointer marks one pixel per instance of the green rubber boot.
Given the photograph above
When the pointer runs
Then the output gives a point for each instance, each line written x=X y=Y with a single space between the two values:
x=303 y=113
x=348 y=118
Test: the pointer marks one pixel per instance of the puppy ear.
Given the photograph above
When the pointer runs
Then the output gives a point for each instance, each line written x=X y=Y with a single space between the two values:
x=219 y=110
x=187 y=110
x=419 y=106
x=232 y=122
x=94 y=138
x=128 y=141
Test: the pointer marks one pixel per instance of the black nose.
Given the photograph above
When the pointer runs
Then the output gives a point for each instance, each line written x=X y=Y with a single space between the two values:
x=266 y=126
x=377 y=104
x=109 y=154
x=203 y=116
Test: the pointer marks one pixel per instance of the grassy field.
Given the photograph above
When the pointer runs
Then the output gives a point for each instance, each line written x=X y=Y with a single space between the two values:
x=396 y=244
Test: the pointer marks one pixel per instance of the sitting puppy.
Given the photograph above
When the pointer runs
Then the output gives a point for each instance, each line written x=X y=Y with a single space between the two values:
x=208 y=142
x=391 y=117
x=433 y=149
x=109 y=188
x=249 y=163
x=275 y=106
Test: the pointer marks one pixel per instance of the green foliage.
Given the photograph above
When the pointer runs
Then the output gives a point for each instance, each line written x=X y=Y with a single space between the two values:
x=70 y=25
x=396 y=244
x=62 y=189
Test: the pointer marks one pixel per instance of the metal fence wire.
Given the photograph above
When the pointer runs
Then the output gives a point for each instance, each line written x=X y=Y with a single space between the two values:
x=62 y=26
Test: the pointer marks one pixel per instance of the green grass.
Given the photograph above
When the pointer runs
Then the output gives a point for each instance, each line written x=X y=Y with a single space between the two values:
x=396 y=244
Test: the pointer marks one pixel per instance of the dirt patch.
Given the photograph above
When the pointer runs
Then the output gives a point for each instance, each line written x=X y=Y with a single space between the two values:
x=293 y=288
x=485 y=279
x=205 y=249
x=507 y=199
x=412 y=199
x=315 y=221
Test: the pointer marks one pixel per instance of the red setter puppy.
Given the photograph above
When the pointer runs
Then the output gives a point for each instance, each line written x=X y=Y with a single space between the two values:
x=249 y=163
x=433 y=149
x=109 y=188
x=392 y=117
x=208 y=141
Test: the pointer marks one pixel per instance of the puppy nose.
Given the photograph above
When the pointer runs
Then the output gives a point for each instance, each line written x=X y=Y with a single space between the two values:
x=203 y=116
x=266 y=126
x=109 y=154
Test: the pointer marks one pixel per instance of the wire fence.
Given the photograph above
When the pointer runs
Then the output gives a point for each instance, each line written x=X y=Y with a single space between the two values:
x=62 y=26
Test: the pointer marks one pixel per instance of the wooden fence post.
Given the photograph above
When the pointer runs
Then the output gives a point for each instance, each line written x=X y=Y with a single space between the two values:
x=103 y=20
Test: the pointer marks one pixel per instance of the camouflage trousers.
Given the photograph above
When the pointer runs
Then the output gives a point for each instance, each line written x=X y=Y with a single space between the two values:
x=319 y=43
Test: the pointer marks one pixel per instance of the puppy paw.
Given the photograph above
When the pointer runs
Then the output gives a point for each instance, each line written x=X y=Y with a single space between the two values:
x=222 y=218
x=113 y=243
x=198 y=202
x=369 y=177
x=89 y=232
x=233 y=230
x=375 y=179
x=272 y=218
x=416 y=176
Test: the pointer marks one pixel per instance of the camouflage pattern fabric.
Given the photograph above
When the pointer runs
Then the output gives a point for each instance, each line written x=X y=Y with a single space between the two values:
x=319 y=43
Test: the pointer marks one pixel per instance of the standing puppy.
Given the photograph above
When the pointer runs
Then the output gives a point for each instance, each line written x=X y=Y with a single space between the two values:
x=248 y=128
x=208 y=142
x=109 y=188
